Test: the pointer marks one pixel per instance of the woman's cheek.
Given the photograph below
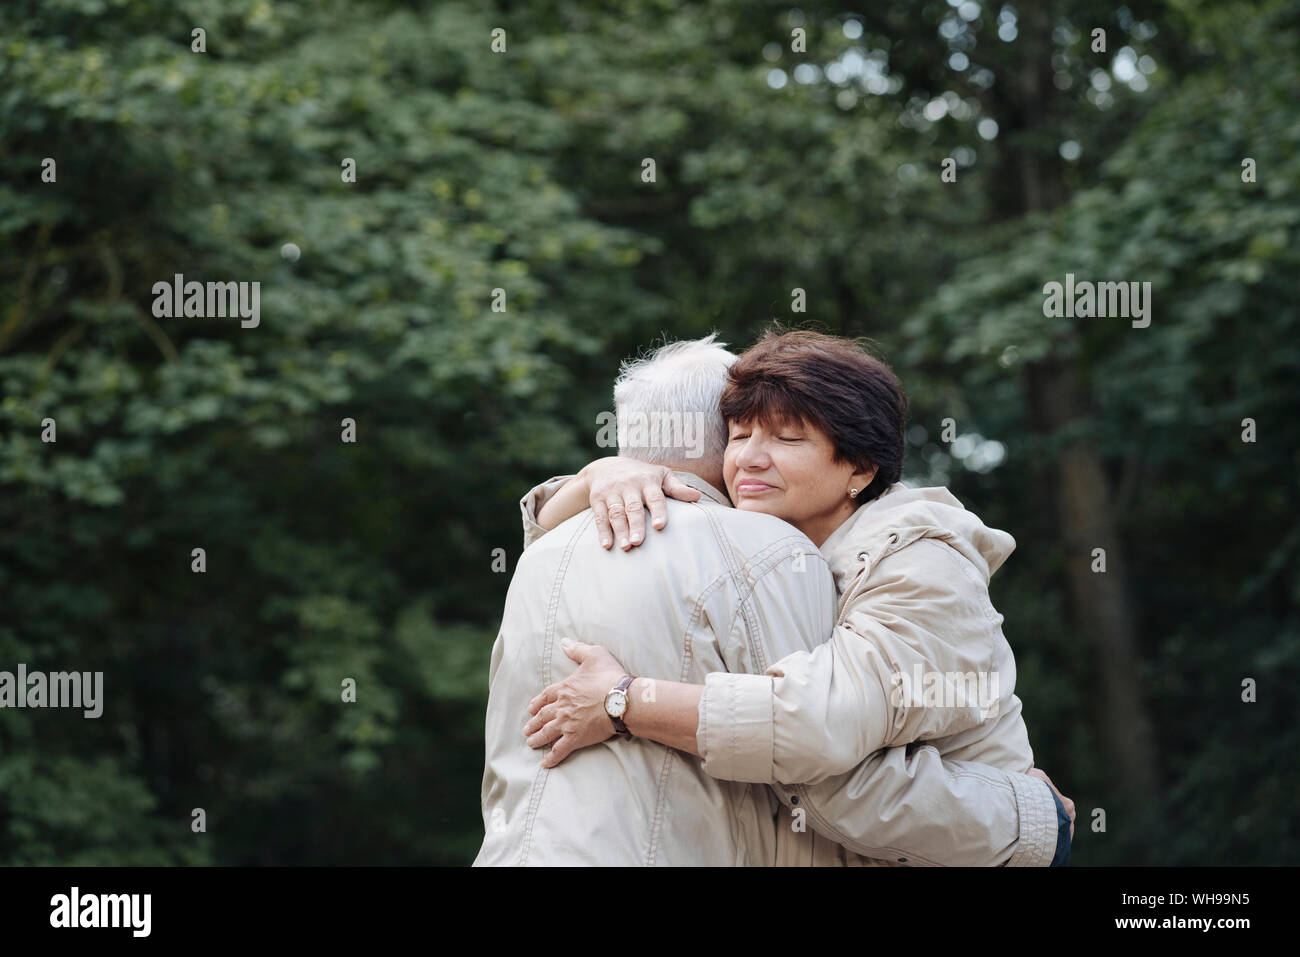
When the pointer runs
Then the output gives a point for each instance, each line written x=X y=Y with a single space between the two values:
x=729 y=479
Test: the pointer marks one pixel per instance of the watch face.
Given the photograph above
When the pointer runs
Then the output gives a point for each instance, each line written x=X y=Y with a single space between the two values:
x=616 y=704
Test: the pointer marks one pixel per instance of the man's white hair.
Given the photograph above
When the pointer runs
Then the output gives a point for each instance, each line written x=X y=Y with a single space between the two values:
x=667 y=405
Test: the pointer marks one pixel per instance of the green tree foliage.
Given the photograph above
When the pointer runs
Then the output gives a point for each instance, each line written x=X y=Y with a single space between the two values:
x=325 y=560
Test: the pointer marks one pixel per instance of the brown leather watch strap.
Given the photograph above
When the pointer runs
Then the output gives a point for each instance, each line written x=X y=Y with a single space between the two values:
x=620 y=728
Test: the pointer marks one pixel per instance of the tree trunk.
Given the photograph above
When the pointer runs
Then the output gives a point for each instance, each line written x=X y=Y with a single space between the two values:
x=1086 y=513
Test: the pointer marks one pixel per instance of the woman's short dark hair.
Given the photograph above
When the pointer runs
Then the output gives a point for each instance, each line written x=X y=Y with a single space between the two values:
x=828 y=382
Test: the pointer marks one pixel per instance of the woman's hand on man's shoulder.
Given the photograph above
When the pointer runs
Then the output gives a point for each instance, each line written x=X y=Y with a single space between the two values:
x=622 y=489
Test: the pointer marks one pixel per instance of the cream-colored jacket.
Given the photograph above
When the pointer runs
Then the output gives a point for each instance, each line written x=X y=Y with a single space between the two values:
x=873 y=760
x=715 y=591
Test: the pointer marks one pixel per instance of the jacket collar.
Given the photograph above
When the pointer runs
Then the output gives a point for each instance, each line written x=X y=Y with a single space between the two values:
x=705 y=489
x=898 y=517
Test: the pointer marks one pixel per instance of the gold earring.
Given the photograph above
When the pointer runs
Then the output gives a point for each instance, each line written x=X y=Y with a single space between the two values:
x=853 y=493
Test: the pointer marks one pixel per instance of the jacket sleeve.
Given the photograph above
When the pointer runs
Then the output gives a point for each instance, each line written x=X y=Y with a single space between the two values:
x=821 y=712
x=908 y=805
x=531 y=504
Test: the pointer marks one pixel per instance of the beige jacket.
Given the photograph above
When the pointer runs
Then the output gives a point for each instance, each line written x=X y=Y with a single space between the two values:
x=917 y=655
x=808 y=724
x=714 y=592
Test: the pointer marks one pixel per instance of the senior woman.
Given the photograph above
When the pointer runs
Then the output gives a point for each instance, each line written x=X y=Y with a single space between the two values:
x=816 y=438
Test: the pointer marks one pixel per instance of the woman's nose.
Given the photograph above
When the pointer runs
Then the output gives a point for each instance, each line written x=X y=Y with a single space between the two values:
x=752 y=455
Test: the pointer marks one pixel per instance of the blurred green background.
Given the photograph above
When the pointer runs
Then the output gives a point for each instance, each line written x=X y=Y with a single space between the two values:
x=521 y=170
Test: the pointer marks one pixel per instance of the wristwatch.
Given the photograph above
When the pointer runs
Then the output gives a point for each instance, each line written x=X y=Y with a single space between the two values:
x=616 y=706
